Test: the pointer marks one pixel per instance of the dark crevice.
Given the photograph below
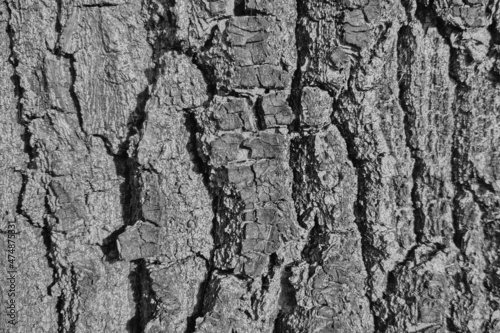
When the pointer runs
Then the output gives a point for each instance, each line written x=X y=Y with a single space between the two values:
x=161 y=27
x=370 y=254
x=300 y=163
x=209 y=77
x=259 y=114
x=59 y=272
x=73 y=93
x=406 y=46
x=462 y=178
x=193 y=147
x=128 y=167
x=288 y=307
x=67 y=300
x=298 y=151
x=368 y=251
x=60 y=314
x=15 y=78
x=106 y=142
x=199 y=311
x=25 y=180
x=49 y=255
x=144 y=297
x=58 y=52
x=109 y=245
x=201 y=167
x=138 y=117
x=300 y=142
x=457 y=161
x=58 y=27
x=427 y=17
x=73 y=315
x=99 y=5
x=495 y=34
x=241 y=9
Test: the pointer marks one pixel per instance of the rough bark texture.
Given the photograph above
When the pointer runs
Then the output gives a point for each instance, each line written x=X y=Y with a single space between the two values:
x=241 y=166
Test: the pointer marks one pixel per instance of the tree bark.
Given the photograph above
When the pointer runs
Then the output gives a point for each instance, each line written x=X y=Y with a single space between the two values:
x=248 y=166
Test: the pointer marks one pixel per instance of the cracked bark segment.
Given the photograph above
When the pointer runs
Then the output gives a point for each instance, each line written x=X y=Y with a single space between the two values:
x=248 y=36
x=175 y=203
x=230 y=148
x=463 y=14
x=334 y=37
x=258 y=194
x=29 y=47
x=178 y=290
x=255 y=230
x=182 y=219
x=267 y=146
x=478 y=156
x=101 y=287
x=281 y=41
x=232 y=113
x=356 y=31
x=265 y=77
x=173 y=195
x=425 y=290
x=142 y=240
x=325 y=61
x=427 y=97
x=82 y=178
x=316 y=107
x=227 y=148
x=271 y=183
x=377 y=140
x=187 y=25
x=35 y=308
x=182 y=85
x=476 y=205
x=280 y=8
x=238 y=306
x=59 y=83
x=469 y=308
x=259 y=40
x=328 y=284
x=328 y=177
x=251 y=52
x=369 y=117
x=385 y=208
x=468 y=51
x=11 y=132
x=76 y=174
x=108 y=73
x=274 y=111
x=266 y=232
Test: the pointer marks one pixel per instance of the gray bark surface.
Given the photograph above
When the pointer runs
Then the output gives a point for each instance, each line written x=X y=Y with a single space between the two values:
x=244 y=166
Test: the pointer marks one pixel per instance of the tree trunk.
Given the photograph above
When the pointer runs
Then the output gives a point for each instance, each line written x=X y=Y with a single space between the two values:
x=242 y=166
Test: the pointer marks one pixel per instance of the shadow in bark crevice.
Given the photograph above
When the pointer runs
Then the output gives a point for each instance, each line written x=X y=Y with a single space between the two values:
x=143 y=295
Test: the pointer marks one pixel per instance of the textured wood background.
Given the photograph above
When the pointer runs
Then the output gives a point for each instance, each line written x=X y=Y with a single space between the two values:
x=241 y=166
